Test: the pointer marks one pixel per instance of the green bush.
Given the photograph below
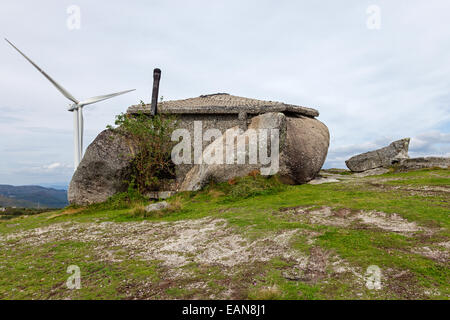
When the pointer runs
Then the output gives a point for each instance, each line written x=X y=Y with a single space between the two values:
x=152 y=136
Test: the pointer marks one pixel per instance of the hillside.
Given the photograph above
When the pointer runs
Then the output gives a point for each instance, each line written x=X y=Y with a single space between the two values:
x=31 y=197
x=251 y=238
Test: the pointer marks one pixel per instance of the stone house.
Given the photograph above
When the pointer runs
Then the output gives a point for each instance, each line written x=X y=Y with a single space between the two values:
x=304 y=142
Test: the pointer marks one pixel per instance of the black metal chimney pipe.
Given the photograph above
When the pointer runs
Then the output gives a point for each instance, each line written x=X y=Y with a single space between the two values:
x=156 y=78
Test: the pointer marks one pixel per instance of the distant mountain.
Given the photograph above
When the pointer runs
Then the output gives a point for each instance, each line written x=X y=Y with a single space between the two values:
x=32 y=197
x=56 y=185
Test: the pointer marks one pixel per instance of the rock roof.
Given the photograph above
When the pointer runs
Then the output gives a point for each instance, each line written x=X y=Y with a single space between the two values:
x=223 y=103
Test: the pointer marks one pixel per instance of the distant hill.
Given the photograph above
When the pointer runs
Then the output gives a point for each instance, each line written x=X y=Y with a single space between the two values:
x=32 y=197
x=58 y=186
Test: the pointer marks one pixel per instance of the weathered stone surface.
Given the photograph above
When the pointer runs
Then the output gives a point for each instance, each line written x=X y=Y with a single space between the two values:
x=103 y=171
x=371 y=172
x=383 y=157
x=223 y=103
x=307 y=141
x=303 y=146
x=424 y=162
x=159 y=194
x=221 y=122
x=322 y=179
x=157 y=206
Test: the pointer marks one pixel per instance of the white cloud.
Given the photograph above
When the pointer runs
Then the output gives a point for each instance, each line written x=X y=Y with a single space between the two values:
x=56 y=165
x=432 y=143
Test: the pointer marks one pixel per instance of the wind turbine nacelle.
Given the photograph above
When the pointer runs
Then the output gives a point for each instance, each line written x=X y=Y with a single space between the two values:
x=72 y=107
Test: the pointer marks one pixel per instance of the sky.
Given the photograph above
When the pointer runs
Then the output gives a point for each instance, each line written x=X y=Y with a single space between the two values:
x=377 y=71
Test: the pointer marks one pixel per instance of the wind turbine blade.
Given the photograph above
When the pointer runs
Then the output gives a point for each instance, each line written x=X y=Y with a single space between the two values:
x=101 y=98
x=60 y=88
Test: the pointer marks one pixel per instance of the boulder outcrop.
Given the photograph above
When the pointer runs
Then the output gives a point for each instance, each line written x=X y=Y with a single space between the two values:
x=424 y=162
x=384 y=157
x=104 y=170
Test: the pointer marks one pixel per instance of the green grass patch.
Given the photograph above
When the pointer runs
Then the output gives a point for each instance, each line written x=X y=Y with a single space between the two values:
x=250 y=206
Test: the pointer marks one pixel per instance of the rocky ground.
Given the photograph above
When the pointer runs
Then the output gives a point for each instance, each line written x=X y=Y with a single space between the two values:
x=247 y=239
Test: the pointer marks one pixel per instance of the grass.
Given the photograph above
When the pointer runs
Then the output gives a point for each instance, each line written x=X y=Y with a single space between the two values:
x=42 y=273
x=10 y=213
x=253 y=207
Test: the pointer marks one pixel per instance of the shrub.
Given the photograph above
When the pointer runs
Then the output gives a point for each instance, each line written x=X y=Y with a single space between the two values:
x=152 y=137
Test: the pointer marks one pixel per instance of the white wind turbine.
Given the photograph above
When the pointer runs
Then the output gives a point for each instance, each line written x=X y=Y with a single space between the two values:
x=76 y=108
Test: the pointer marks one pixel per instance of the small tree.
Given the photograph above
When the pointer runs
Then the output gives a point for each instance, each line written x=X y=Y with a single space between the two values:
x=152 y=137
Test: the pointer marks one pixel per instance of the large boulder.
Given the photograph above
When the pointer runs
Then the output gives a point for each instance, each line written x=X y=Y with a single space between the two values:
x=306 y=148
x=104 y=169
x=302 y=143
x=383 y=157
x=424 y=162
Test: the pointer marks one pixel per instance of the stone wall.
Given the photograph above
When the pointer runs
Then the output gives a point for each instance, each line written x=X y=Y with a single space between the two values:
x=209 y=121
